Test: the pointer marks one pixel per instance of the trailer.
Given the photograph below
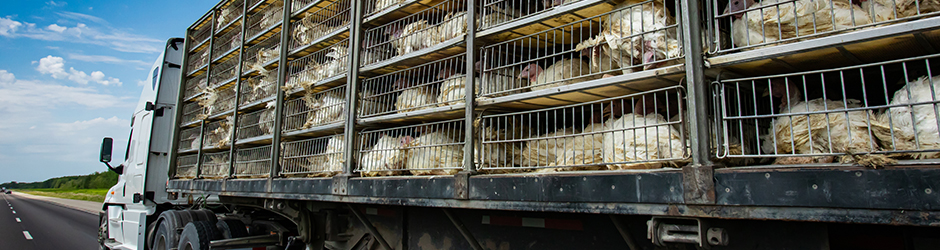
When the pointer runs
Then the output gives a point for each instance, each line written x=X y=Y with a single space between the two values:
x=510 y=124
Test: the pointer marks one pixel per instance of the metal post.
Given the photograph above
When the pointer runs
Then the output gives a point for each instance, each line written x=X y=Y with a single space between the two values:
x=238 y=88
x=697 y=177
x=174 y=139
x=352 y=98
x=463 y=230
x=202 y=124
x=624 y=232
x=365 y=222
x=462 y=179
x=281 y=77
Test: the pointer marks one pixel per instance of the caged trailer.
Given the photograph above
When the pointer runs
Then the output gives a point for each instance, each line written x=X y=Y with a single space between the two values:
x=553 y=124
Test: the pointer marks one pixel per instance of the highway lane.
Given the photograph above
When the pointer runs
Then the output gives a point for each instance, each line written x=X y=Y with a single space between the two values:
x=40 y=225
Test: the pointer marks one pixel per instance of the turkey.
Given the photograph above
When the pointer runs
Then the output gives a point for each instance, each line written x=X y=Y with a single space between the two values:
x=252 y=163
x=216 y=166
x=369 y=102
x=884 y=10
x=453 y=26
x=305 y=32
x=583 y=149
x=641 y=140
x=563 y=72
x=825 y=133
x=413 y=97
x=543 y=150
x=499 y=157
x=500 y=82
x=383 y=4
x=271 y=15
x=413 y=37
x=773 y=20
x=208 y=99
x=264 y=86
x=335 y=147
x=327 y=109
x=434 y=153
x=306 y=78
x=227 y=15
x=222 y=136
x=917 y=133
x=453 y=88
x=636 y=34
x=387 y=157
x=266 y=119
x=196 y=141
x=879 y=10
x=335 y=64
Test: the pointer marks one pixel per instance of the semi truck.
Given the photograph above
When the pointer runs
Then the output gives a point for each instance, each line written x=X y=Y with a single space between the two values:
x=577 y=124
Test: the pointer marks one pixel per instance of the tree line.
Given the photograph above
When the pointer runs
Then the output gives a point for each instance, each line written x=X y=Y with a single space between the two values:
x=91 y=181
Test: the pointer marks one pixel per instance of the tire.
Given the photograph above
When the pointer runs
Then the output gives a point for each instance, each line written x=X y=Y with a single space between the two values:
x=102 y=230
x=171 y=221
x=231 y=228
x=196 y=236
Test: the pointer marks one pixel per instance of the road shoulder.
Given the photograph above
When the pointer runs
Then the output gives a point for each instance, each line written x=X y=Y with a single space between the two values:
x=84 y=206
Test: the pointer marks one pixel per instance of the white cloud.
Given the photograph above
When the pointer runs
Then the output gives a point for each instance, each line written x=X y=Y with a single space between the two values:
x=6 y=77
x=56 y=4
x=20 y=95
x=55 y=66
x=56 y=28
x=141 y=83
x=102 y=34
x=107 y=59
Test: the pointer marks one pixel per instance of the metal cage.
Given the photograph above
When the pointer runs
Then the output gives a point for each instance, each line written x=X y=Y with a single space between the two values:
x=268 y=17
x=197 y=61
x=190 y=139
x=195 y=86
x=315 y=109
x=258 y=89
x=228 y=14
x=214 y=165
x=262 y=57
x=427 y=86
x=253 y=162
x=638 y=131
x=319 y=68
x=743 y=25
x=443 y=23
x=228 y=43
x=426 y=149
x=256 y=124
x=633 y=37
x=192 y=112
x=320 y=23
x=219 y=134
x=223 y=73
x=314 y=157
x=200 y=35
x=219 y=100
x=186 y=166
x=871 y=114
x=498 y=12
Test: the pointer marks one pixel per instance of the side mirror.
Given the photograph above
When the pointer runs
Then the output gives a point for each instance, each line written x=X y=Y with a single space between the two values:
x=106 y=145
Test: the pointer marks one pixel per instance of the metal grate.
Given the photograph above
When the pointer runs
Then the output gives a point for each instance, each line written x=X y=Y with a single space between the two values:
x=496 y=12
x=219 y=133
x=319 y=23
x=223 y=73
x=200 y=35
x=307 y=71
x=228 y=41
x=197 y=60
x=229 y=13
x=262 y=56
x=258 y=88
x=374 y=7
x=425 y=149
x=253 y=162
x=258 y=123
x=424 y=29
x=192 y=112
x=195 y=86
x=218 y=100
x=315 y=157
x=627 y=132
x=633 y=37
x=214 y=165
x=315 y=109
x=741 y=25
x=269 y=16
x=189 y=139
x=186 y=167
x=847 y=115
x=435 y=84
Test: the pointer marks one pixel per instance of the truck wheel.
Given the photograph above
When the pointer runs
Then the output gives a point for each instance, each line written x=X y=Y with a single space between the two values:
x=166 y=235
x=232 y=228
x=196 y=236
x=102 y=230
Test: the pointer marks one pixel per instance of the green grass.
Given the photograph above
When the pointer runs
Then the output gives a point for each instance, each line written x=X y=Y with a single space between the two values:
x=75 y=194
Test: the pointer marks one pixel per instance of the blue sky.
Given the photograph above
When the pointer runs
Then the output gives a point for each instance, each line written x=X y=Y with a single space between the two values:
x=71 y=74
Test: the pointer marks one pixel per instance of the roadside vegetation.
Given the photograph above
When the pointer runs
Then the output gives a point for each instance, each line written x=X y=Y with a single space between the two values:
x=91 y=187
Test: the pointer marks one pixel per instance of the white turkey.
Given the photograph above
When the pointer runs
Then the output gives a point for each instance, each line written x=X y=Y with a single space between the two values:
x=453 y=89
x=227 y=14
x=266 y=119
x=642 y=140
x=412 y=37
x=335 y=149
x=823 y=133
x=913 y=127
x=543 y=151
x=582 y=151
x=884 y=10
x=434 y=153
x=222 y=135
x=252 y=163
x=414 y=97
x=369 y=103
x=336 y=63
x=773 y=20
x=636 y=33
x=304 y=79
x=563 y=72
x=271 y=15
x=207 y=101
x=453 y=26
x=326 y=109
x=601 y=58
x=386 y=157
x=216 y=166
x=383 y=4
x=498 y=157
x=500 y=82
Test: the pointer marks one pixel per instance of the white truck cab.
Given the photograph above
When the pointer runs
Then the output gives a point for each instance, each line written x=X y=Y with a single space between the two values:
x=141 y=185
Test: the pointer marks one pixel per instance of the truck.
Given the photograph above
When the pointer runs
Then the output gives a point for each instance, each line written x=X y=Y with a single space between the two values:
x=577 y=124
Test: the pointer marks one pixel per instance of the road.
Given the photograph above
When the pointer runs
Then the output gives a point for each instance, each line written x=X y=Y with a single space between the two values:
x=31 y=223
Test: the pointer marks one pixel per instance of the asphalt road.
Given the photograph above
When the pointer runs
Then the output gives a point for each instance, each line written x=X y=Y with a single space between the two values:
x=33 y=224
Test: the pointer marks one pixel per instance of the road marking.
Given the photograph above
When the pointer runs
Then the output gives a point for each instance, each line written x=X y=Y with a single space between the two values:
x=14 y=211
x=18 y=220
x=26 y=234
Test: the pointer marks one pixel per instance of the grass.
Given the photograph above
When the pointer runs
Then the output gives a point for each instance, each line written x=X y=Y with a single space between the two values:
x=96 y=195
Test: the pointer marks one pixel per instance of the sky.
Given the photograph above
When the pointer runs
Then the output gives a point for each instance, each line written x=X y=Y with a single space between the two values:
x=71 y=73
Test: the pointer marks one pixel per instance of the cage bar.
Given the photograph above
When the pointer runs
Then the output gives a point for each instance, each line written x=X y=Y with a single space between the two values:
x=436 y=84
x=186 y=167
x=253 y=162
x=320 y=23
x=315 y=109
x=424 y=29
x=314 y=157
x=214 y=165
x=426 y=149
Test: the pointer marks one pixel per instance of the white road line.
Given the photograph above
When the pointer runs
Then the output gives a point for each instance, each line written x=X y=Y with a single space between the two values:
x=18 y=220
x=26 y=234
x=14 y=211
